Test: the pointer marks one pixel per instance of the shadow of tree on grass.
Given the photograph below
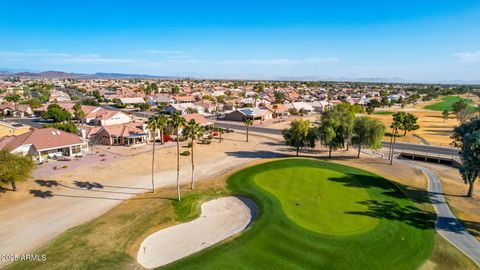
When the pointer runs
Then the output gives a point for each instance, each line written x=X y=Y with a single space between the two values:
x=391 y=210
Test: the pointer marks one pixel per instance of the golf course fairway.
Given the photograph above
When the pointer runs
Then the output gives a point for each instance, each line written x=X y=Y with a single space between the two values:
x=320 y=215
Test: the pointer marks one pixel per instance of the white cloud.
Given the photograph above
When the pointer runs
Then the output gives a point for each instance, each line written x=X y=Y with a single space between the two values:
x=322 y=60
x=261 y=62
x=162 y=52
x=468 y=57
x=61 y=58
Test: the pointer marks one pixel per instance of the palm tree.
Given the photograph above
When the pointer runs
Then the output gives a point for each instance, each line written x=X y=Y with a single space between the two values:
x=255 y=97
x=176 y=122
x=193 y=130
x=162 y=121
x=248 y=122
x=275 y=107
x=79 y=113
x=153 y=125
x=445 y=114
x=220 y=133
x=395 y=127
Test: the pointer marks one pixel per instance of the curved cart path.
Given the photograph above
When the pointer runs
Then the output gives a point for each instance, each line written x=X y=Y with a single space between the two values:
x=220 y=219
x=447 y=224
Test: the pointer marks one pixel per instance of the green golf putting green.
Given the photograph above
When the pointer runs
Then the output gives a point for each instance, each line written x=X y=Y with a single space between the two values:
x=320 y=215
x=313 y=199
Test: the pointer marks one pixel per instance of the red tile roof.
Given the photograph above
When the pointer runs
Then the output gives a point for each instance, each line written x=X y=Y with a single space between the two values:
x=45 y=138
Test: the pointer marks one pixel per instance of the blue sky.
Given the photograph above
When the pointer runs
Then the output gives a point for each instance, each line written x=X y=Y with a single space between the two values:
x=417 y=40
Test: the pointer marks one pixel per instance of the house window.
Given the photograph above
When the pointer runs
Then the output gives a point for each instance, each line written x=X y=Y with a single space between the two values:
x=76 y=149
x=116 y=140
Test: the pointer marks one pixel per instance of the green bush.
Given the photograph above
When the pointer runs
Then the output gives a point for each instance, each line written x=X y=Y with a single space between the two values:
x=185 y=153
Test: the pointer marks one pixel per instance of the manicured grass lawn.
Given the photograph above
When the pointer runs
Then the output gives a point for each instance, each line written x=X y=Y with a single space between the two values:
x=384 y=113
x=281 y=238
x=346 y=219
x=446 y=103
x=316 y=204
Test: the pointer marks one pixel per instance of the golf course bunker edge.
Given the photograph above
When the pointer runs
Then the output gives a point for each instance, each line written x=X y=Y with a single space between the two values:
x=220 y=219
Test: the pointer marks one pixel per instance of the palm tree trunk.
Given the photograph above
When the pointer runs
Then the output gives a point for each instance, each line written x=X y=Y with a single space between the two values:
x=298 y=149
x=153 y=165
x=470 y=189
x=178 y=166
x=405 y=132
x=193 y=167
x=161 y=136
x=329 y=152
x=247 y=133
x=390 y=146
x=393 y=146
x=359 y=147
x=14 y=186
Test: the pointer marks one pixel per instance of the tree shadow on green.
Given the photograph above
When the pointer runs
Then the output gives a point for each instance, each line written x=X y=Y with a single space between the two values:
x=392 y=210
x=397 y=190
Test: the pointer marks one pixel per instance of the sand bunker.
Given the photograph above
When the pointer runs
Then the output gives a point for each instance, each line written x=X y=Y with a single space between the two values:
x=220 y=219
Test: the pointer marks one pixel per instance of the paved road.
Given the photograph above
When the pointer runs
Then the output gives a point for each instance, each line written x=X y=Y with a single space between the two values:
x=447 y=224
x=438 y=150
x=32 y=121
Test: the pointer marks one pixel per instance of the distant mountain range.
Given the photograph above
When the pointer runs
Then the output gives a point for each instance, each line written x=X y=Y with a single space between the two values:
x=6 y=72
x=10 y=72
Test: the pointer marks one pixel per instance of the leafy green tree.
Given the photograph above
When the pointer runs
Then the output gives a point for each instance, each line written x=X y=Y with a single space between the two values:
x=143 y=106
x=56 y=113
x=32 y=102
x=300 y=134
x=445 y=114
x=336 y=127
x=193 y=130
x=79 y=113
x=154 y=87
x=367 y=132
x=460 y=105
x=67 y=126
x=385 y=101
x=177 y=122
x=13 y=98
x=370 y=109
x=467 y=138
x=90 y=102
x=248 y=122
x=97 y=95
x=175 y=90
x=15 y=168
x=279 y=96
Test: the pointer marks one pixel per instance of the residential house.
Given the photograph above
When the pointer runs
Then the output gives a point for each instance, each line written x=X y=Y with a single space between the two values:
x=46 y=143
x=104 y=117
x=278 y=110
x=184 y=108
x=320 y=106
x=131 y=101
x=131 y=134
x=249 y=113
x=8 y=128
x=184 y=99
x=11 y=109
x=301 y=107
x=59 y=96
